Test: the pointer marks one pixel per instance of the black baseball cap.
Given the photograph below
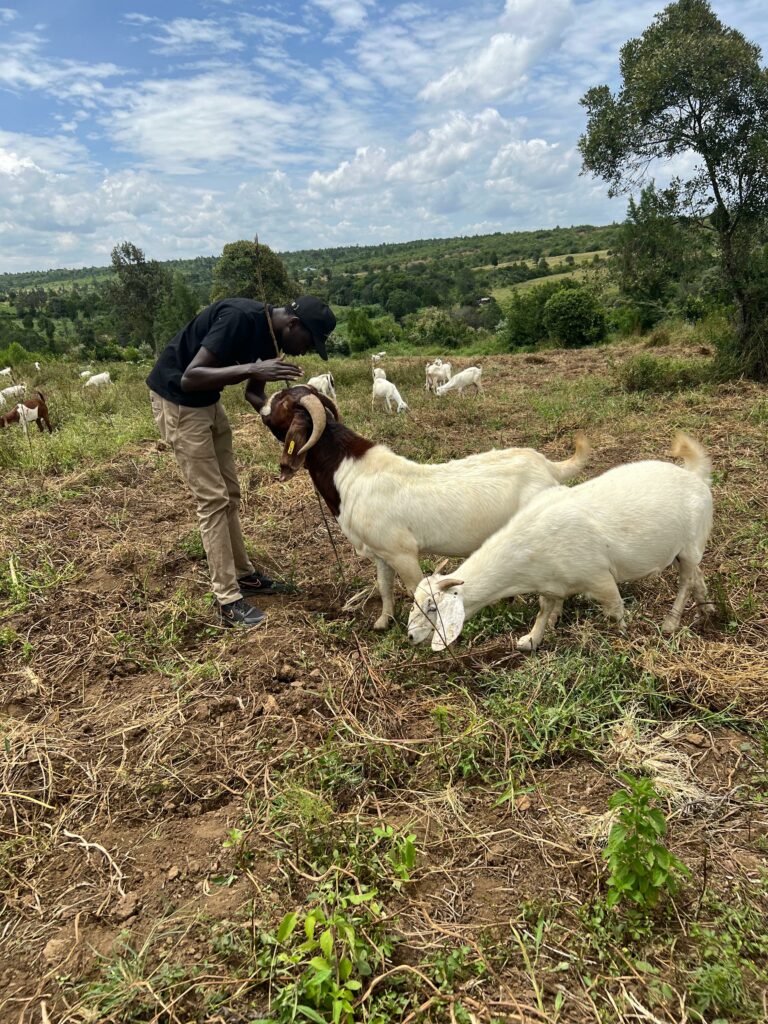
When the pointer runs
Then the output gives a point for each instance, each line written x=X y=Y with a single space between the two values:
x=316 y=317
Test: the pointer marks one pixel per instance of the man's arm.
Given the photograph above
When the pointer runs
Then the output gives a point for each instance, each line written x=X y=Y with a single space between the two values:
x=254 y=393
x=205 y=372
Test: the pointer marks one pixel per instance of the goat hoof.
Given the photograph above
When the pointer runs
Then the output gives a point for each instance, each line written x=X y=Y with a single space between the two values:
x=669 y=625
x=525 y=643
x=383 y=622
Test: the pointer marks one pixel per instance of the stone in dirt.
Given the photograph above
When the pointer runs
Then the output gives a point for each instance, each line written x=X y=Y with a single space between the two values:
x=56 y=950
x=126 y=907
x=286 y=673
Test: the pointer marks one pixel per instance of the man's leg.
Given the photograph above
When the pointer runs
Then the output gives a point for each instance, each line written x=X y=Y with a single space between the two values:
x=190 y=432
x=222 y=441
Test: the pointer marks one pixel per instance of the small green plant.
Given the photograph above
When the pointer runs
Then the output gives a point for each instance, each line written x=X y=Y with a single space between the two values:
x=640 y=865
x=401 y=852
x=317 y=959
x=655 y=373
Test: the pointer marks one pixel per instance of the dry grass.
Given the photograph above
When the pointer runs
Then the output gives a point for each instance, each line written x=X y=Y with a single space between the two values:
x=136 y=733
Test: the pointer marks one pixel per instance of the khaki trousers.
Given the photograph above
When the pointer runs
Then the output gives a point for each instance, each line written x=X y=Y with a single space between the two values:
x=201 y=439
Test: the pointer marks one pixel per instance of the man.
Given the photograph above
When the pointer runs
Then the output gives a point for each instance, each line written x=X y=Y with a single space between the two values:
x=227 y=343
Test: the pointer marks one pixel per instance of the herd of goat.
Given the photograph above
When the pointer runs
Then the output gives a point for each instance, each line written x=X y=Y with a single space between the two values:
x=507 y=513
x=439 y=380
x=28 y=410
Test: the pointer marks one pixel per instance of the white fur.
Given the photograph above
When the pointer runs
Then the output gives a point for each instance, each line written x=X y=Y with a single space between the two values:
x=26 y=416
x=98 y=380
x=438 y=372
x=85 y=373
x=37 y=367
x=378 y=357
x=386 y=391
x=394 y=510
x=379 y=373
x=14 y=391
x=629 y=523
x=324 y=383
x=463 y=379
x=6 y=372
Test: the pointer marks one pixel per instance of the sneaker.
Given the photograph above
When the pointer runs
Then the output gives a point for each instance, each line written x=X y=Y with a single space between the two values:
x=258 y=583
x=240 y=613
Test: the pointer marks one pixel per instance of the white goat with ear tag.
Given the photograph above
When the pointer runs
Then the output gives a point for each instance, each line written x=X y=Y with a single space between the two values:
x=449 y=617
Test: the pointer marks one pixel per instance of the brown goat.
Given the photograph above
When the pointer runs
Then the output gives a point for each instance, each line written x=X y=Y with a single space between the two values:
x=39 y=413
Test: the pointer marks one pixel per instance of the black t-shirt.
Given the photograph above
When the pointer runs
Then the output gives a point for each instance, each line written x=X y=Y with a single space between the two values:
x=235 y=330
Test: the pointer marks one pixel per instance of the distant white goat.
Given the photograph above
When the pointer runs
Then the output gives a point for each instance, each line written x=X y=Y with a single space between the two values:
x=628 y=523
x=85 y=373
x=14 y=391
x=437 y=373
x=388 y=393
x=6 y=372
x=37 y=367
x=378 y=357
x=463 y=379
x=379 y=373
x=324 y=383
x=98 y=380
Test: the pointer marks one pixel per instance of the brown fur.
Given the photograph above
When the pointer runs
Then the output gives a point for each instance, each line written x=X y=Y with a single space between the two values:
x=291 y=423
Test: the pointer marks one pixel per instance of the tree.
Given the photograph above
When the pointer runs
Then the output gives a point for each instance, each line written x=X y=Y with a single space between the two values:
x=573 y=317
x=136 y=292
x=690 y=85
x=177 y=309
x=361 y=331
x=237 y=274
x=523 y=323
x=655 y=250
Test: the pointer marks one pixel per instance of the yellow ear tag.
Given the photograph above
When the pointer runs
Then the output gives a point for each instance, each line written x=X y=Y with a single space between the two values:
x=291 y=446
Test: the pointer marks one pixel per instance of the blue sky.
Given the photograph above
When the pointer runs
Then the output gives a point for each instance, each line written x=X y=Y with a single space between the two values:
x=182 y=126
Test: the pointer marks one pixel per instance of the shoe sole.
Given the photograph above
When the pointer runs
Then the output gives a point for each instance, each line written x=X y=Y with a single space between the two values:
x=247 y=625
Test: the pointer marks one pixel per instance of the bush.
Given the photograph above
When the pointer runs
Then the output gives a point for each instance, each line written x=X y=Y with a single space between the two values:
x=524 y=319
x=436 y=327
x=575 y=318
x=650 y=373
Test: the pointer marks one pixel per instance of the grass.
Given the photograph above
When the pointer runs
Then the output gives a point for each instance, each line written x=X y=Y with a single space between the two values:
x=212 y=825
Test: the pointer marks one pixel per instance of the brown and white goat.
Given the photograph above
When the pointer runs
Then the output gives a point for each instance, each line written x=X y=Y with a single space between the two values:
x=393 y=510
x=31 y=410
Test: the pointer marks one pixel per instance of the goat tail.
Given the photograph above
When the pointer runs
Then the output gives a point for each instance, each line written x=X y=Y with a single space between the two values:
x=694 y=456
x=573 y=466
x=41 y=396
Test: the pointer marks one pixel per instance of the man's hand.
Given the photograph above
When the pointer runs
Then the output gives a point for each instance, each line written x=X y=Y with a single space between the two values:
x=274 y=369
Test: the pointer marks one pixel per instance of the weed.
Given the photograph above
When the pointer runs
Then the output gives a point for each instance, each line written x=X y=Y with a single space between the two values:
x=650 y=373
x=640 y=865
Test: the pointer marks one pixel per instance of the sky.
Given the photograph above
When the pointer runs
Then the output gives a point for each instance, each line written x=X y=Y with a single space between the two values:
x=181 y=126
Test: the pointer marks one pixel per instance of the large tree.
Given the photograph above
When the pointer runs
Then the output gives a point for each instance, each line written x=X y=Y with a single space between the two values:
x=692 y=86
x=136 y=292
x=251 y=271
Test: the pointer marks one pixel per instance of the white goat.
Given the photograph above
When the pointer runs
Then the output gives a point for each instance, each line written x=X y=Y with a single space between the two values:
x=463 y=379
x=98 y=380
x=629 y=523
x=385 y=390
x=324 y=383
x=379 y=373
x=6 y=372
x=378 y=357
x=85 y=373
x=14 y=391
x=393 y=510
x=437 y=373
x=37 y=367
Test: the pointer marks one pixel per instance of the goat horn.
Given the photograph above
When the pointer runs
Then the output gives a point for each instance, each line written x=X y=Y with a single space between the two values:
x=316 y=410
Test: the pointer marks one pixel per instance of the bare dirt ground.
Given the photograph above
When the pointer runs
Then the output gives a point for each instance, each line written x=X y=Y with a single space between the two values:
x=137 y=734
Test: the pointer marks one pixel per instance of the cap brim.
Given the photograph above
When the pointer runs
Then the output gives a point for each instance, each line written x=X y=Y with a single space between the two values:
x=319 y=343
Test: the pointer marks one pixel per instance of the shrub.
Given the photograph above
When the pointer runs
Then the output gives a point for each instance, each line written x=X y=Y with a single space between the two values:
x=575 y=318
x=650 y=373
x=524 y=319
x=436 y=327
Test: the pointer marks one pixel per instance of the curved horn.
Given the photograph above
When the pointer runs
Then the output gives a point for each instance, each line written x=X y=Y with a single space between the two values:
x=316 y=410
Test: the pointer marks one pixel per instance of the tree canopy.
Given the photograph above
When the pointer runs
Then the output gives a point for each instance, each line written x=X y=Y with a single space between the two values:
x=690 y=85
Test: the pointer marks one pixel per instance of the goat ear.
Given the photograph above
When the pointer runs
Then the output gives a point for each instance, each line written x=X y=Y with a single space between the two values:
x=450 y=622
x=298 y=432
x=440 y=566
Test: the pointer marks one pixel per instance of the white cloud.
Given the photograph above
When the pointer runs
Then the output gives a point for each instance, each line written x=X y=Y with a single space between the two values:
x=347 y=15
x=8 y=14
x=500 y=65
x=184 y=34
